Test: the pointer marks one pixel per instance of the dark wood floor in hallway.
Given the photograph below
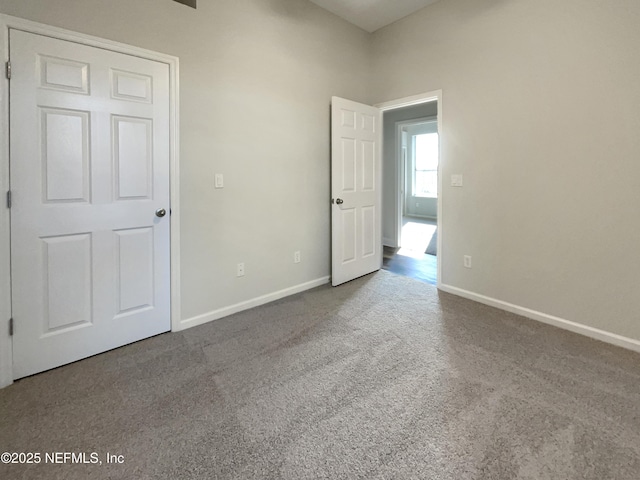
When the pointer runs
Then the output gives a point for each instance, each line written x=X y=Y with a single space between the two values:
x=411 y=260
x=422 y=267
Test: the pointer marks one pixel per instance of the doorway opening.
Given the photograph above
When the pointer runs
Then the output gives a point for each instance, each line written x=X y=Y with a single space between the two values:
x=411 y=186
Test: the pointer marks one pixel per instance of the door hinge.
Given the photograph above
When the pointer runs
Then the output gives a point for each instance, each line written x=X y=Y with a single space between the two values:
x=9 y=199
x=11 y=327
x=9 y=70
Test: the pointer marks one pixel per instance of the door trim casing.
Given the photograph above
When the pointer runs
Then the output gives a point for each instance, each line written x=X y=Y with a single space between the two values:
x=6 y=23
x=433 y=96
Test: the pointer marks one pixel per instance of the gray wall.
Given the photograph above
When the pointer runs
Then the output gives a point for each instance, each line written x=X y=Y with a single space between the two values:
x=390 y=178
x=256 y=80
x=549 y=207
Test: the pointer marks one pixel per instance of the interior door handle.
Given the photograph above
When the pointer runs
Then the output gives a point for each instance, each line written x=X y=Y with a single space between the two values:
x=161 y=212
x=339 y=201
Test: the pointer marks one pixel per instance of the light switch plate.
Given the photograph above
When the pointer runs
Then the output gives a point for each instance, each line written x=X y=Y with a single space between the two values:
x=456 y=180
x=219 y=180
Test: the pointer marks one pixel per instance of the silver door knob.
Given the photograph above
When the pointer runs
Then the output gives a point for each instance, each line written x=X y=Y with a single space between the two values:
x=161 y=212
x=339 y=201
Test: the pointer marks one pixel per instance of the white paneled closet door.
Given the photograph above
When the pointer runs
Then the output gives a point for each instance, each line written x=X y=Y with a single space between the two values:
x=89 y=138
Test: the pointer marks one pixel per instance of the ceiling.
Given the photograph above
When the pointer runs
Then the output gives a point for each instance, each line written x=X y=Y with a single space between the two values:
x=371 y=15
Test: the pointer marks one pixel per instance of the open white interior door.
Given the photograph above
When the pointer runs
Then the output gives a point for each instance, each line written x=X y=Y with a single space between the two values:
x=356 y=190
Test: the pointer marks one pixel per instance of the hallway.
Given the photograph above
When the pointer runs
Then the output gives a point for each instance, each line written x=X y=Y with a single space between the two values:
x=411 y=259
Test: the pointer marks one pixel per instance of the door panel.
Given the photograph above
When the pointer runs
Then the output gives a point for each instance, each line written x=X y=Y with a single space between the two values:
x=356 y=190
x=67 y=280
x=349 y=228
x=131 y=86
x=65 y=155
x=135 y=269
x=89 y=168
x=65 y=75
x=368 y=231
x=132 y=144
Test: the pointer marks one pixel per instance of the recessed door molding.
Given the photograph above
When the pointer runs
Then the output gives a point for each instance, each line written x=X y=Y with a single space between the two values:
x=6 y=24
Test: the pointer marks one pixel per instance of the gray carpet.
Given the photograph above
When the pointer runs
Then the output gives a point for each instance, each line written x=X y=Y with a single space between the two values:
x=382 y=378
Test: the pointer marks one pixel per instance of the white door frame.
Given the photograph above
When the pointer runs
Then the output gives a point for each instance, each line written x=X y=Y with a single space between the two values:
x=434 y=96
x=6 y=23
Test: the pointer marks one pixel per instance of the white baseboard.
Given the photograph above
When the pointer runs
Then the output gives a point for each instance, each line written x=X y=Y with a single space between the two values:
x=387 y=242
x=246 y=305
x=602 y=335
x=422 y=217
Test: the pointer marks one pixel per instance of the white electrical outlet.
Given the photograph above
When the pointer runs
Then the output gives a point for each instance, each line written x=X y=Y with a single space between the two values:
x=219 y=180
x=467 y=261
x=296 y=257
x=240 y=270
